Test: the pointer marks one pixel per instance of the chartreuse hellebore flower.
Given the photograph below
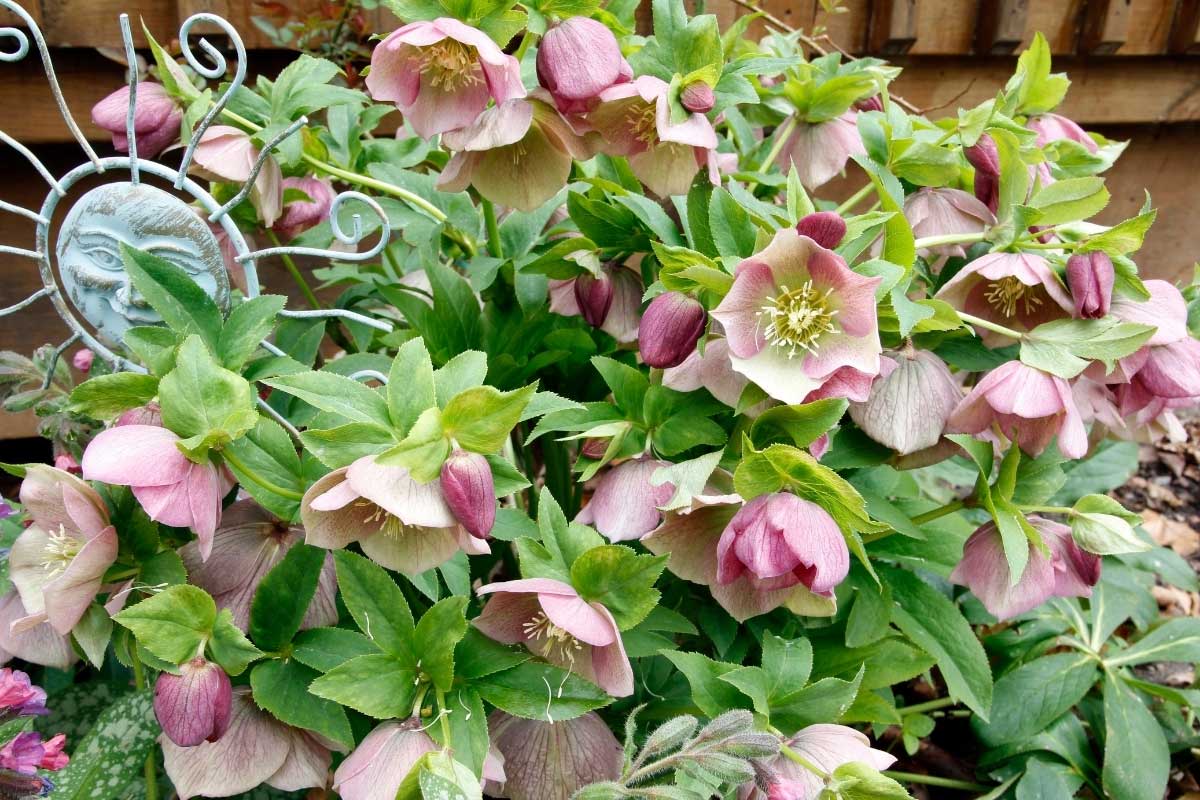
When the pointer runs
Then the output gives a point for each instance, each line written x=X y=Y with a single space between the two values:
x=796 y=315
x=58 y=563
x=441 y=74
x=550 y=761
x=399 y=523
x=554 y=622
x=1067 y=571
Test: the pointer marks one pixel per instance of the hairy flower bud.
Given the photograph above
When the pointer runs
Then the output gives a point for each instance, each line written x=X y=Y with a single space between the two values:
x=594 y=296
x=670 y=328
x=469 y=489
x=1090 y=278
x=578 y=58
x=194 y=706
x=826 y=228
x=698 y=97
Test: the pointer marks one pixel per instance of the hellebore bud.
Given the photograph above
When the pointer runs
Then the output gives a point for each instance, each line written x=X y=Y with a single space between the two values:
x=594 y=448
x=82 y=360
x=470 y=491
x=594 y=295
x=698 y=97
x=1090 y=277
x=985 y=158
x=670 y=328
x=826 y=228
x=194 y=706
x=578 y=59
x=872 y=103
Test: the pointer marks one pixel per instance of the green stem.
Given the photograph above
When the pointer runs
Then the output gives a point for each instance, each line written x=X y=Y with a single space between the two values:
x=526 y=40
x=933 y=780
x=294 y=271
x=938 y=513
x=443 y=714
x=493 y=230
x=949 y=238
x=151 y=765
x=991 y=326
x=931 y=705
x=781 y=136
x=238 y=465
x=1046 y=246
x=792 y=755
x=855 y=198
x=1048 y=509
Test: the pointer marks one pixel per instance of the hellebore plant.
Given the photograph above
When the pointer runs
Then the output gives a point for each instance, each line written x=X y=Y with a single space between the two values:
x=631 y=464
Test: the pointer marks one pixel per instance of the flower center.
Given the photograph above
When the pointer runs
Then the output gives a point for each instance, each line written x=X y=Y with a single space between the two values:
x=795 y=319
x=1006 y=294
x=389 y=525
x=643 y=121
x=449 y=65
x=540 y=628
x=60 y=551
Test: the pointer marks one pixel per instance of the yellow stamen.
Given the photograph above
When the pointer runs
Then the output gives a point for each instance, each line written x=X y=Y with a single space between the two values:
x=642 y=118
x=450 y=65
x=1007 y=293
x=541 y=628
x=60 y=551
x=795 y=319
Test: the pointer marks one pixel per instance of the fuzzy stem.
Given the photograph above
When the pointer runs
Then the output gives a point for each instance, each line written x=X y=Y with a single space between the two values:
x=297 y=276
x=950 y=238
x=237 y=464
x=991 y=326
x=781 y=136
x=855 y=198
x=493 y=230
x=933 y=780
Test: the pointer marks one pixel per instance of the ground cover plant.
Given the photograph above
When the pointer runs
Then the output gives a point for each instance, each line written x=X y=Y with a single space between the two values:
x=667 y=478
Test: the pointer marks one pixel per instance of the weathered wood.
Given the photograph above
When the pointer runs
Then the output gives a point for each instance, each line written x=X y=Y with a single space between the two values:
x=1105 y=26
x=893 y=26
x=944 y=27
x=1001 y=26
x=93 y=23
x=1185 y=28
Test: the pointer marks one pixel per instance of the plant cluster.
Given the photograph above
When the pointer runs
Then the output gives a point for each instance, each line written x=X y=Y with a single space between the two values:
x=660 y=441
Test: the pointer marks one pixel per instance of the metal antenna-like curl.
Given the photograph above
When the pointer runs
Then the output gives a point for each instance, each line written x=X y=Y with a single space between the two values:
x=130 y=114
x=35 y=162
x=352 y=239
x=217 y=70
x=263 y=155
x=22 y=50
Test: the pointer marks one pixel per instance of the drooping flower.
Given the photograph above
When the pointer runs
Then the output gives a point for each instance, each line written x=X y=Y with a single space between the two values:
x=1055 y=127
x=441 y=74
x=796 y=314
x=946 y=212
x=554 y=622
x=255 y=749
x=910 y=401
x=193 y=706
x=623 y=314
x=171 y=488
x=711 y=370
x=399 y=523
x=594 y=295
x=1016 y=290
x=826 y=228
x=470 y=491
x=670 y=328
x=249 y=543
x=1090 y=278
x=19 y=697
x=156 y=118
x=820 y=150
x=634 y=120
x=227 y=154
x=39 y=644
x=377 y=767
x=1168 y=365
x=516 y=154
x=300 y=215
x=1028 y=405
x=577 y=60
x=826 y=747
x=1068 y=571
x=58 y=563
x=551 y=761
x=985 y=158
x=625 y=503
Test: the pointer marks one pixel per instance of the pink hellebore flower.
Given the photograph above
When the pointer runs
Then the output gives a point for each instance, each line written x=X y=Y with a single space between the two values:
x=554 y=622
x=441 y=74
x=300 y=215
x=910 y=401
x=670 y=328
x=58 y=563
x=820 y=150
x=796 y=314
x=1168 y=366
x=1055 y=127
x=193 y=706
x=516 y=154
x=19 y=697
x=249 y=543
x=1028 y=406
x=551 y=761
x=826 y=228
x=985 y=158
x=826 y=747
x=1067 y=571
x=709 y=370
x=377 y=767
x=577 y=60
x=1090 y=277
x=399 y=523
x=40 y=644
x=171 y=488
x=156 y=118
x=625 y=503
x=635 y=121
x=1016 y=290
x=255 y=749
x=623 y=316
x=946 y=212
x=227 y=154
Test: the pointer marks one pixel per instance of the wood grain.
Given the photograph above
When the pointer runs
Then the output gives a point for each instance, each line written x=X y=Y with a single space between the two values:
x=1001 y=27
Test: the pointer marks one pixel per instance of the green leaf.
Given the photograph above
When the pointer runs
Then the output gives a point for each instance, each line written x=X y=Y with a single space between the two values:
x=203 y=402
x=410 y=384
x=438 y=632
x=468 y=728
x=268 y=452
x=341 y=446
x=926 y=164
x=1137 y=761
x=325 y=648
x=1034 y=89
x=443 y=778
x=620 y=579
x=155 y=346
x=826 y=700
x=480 y=419
x=684 y=270
x=800 y=424
x=173 y=623
x=733 y=233
x=281 y=689
x=108 y=762
x=247 y=325
x=788 y=664
x=540 y=691
x=936 y=625
x=476 y=655
x=1101 y=525
x=711 y=695
x=458 y=374
x=92 y=633
x=1122 y=238
x=105 y=396
x=1173 y=640
x=1027 y=699
x=179 y=300
x=229 y=647
x=628 y=385
x=376 y=603
x=856 y=780
x=898 y=241
x=375 y=684
x=1070 y=200
x=283 y=595
x=423 y=450
x=1065 y=347
x=336 y=394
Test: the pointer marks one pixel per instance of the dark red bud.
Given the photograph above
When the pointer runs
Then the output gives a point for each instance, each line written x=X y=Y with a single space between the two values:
x=594 y=448
x=594 y=295
x=1090 y=277
x=826 y=228
x=470 y=491
x=873 y=103
x=698 y=97
x=984 y=156
x=670 y=328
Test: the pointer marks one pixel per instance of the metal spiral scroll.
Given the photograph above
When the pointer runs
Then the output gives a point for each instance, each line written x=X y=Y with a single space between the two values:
x=215 y=212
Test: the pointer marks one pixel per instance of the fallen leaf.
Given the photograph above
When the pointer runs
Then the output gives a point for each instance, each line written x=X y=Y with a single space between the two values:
x=1179 y=536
